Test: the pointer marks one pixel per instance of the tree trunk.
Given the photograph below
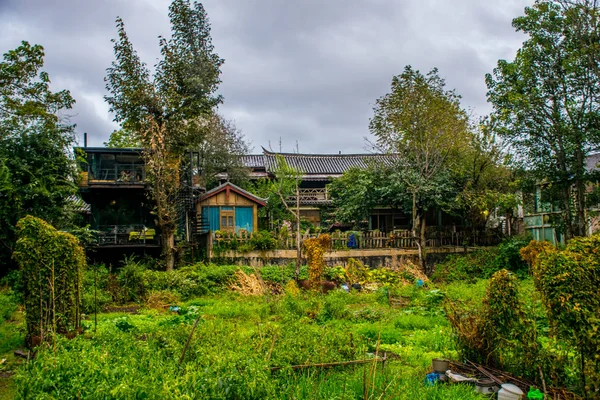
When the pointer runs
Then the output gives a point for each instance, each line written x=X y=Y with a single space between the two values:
x=416 y=223
x=567 y=213
x=580 y=220
x=168 y=247
x=423 y=240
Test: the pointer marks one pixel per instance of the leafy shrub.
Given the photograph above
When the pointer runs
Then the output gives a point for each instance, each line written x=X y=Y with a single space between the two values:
x=294 y=305
x=263 y=240
x=277 y=273
x=384 y=276
x=124 y=325
x=498 y=333
x=356 y=272
x=509 y=255
x=315 y=249
x=568 y=281
x=51 y=262
x=131 y=280
x=97 y=288
x=14 y=280
x=7 y=306
x=195 y=280
x=337 y=274
x=483 y=263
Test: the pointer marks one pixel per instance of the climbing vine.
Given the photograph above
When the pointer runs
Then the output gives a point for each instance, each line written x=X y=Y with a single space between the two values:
x=51 y=262
x=315 y=250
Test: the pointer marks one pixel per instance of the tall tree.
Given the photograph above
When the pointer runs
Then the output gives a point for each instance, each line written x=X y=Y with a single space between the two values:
x=168 y=108
x=484 y=182
x=423 y=124
x=546 y=100
x=221 y=152
x=36 y=172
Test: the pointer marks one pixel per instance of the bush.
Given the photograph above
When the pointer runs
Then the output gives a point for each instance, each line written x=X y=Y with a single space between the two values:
x=131 y=280
x=277 y=273
x=14 y=280
x=568 y=281
x=498 y=333
x=195 y=280
x=51 y=262
x=7 y=306
x=337 y=274
x=483 y=263
x=262 y=240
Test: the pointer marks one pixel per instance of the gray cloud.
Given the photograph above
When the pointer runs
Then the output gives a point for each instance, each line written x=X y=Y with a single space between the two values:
x=306 y=71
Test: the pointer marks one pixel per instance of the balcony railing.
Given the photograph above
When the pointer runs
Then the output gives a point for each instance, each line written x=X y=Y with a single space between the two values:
x=126 y=235
x=312 y=196
x=119 y=174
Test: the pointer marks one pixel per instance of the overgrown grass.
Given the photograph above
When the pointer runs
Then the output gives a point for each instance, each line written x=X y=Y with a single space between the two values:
x=239 y=338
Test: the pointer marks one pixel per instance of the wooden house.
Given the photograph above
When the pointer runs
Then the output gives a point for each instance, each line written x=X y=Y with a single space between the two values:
x=229 y=208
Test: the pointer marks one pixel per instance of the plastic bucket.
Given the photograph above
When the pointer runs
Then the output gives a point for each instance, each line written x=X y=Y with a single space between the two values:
x=440 y=365
x=486 y=386
x=510 y=392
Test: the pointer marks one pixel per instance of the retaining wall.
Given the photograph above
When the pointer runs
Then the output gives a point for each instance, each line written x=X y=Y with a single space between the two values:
x=374 y=258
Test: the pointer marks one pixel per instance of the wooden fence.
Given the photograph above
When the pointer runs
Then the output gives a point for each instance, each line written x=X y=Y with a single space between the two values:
x=400 y=239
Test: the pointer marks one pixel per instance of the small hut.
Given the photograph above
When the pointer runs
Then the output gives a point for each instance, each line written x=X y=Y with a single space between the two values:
x=230 y=208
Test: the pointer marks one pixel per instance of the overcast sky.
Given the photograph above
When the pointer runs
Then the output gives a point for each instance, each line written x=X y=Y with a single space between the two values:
x=308 y=71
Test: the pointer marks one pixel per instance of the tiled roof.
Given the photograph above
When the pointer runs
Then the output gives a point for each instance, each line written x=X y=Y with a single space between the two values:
x=324 y=164
x=253 y=160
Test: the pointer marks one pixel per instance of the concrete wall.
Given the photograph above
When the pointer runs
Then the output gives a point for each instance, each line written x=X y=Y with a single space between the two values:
x=374 y=258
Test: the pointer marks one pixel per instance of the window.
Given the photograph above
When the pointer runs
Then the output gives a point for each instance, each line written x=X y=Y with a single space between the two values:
x=227 y=219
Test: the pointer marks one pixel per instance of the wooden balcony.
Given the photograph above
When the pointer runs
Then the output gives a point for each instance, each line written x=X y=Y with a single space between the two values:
x=316 y=196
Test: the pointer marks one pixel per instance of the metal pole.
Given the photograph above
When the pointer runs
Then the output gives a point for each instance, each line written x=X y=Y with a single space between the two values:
x=95 y=298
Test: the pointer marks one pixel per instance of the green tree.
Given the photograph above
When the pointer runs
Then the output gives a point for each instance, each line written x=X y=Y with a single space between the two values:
x=122 y=139
x=356 y=193
x=36 y=172
x=167 y=109
x=484 y=182
x=546 y=100
x=423 y=125
x=221 y=152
